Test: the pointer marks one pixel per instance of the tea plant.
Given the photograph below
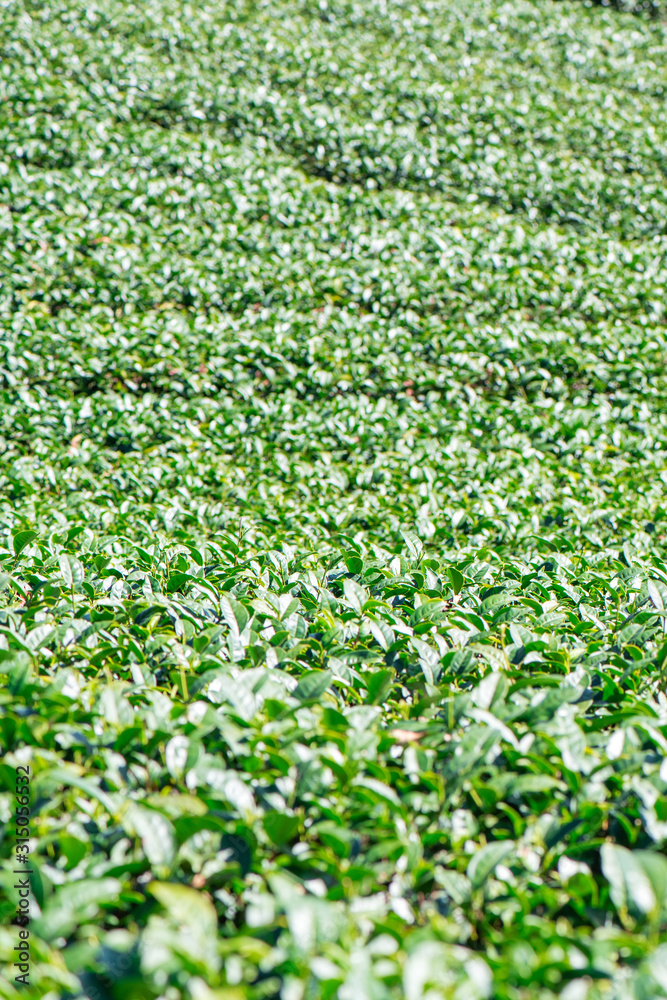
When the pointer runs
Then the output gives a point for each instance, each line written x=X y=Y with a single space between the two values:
x=333 y=448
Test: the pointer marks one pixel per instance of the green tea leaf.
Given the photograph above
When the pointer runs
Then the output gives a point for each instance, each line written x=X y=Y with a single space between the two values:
x=484 y=861
x=21 y=539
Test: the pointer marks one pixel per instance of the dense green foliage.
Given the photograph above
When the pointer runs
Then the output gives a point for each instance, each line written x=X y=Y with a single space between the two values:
x=333 y=447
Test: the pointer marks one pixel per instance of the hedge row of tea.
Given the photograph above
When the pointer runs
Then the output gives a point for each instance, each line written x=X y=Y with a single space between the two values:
x=333 y=438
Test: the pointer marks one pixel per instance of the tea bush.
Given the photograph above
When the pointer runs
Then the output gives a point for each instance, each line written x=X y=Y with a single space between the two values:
x=333 y=439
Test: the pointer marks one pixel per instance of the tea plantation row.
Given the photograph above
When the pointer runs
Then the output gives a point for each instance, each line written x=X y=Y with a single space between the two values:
x=333 y=451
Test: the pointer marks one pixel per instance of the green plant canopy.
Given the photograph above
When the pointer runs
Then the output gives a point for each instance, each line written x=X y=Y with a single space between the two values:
x=333 y=454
